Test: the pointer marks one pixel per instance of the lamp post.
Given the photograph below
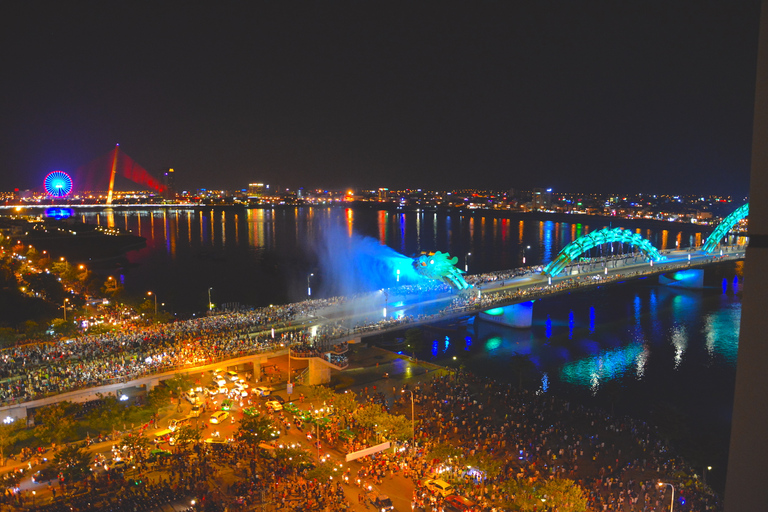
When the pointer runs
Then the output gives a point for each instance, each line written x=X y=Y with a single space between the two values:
x=413 y=416
x=522 y=250
x=64 y=307
x=154 y=295
x=309 y=289
x=707 y=468
x=672 y=502
x=466 y=262
x=210 y=304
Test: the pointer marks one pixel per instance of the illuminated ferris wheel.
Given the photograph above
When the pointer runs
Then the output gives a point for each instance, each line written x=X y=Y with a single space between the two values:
x=58 y=184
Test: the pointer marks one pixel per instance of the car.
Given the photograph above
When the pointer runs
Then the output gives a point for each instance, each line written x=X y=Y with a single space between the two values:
x=158 y=454
x=119 y=466
x=243 y=383
x=219 y=417
x=45 y=475
x=277 y=398
x=196 y=411
x=211 y=389
x=191 y=397
x=441 y=487
x=219 y=381
x=223 y=390
x=382 y=503
x=274 y=405
x=459 y=503
x=239 y=393
x=261 y=391
x=232 y=376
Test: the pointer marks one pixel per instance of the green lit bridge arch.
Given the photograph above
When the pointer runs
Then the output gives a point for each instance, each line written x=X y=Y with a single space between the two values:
x=604 y=236
x=724 y=227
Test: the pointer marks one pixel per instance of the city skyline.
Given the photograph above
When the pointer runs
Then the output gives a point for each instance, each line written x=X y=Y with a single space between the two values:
x=600 y=97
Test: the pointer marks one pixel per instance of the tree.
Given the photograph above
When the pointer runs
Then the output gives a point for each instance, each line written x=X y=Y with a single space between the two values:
x=293 y=458
x=136 y=445
x=564 y=495
x=256 y=429
x=56 y=422
x=522 y=366
x=414 y=340
x=111 y=414
x=46 y=285
x=395 y=427
x=444 y=451
x=322 y=472
x=179 y=383
x=9 y=433
x=560 y=494
x=344 y=405
x=187 y=434
x=73 y=462
x=159 y=398
x=320 y=393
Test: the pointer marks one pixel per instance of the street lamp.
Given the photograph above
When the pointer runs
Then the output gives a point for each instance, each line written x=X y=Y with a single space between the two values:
x=671 y=503
x=466 y=262
x=708 y=468
x=413 y=416
x=210 y=304
x=309 y=289
x=64 y=306
x=522 y=250
x=154 y=295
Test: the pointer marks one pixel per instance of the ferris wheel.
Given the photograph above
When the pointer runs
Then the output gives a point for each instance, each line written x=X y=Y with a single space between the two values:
x=58 y=184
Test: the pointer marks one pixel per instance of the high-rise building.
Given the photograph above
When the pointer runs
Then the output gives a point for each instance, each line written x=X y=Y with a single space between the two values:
x=170 y=186
x=383 y=194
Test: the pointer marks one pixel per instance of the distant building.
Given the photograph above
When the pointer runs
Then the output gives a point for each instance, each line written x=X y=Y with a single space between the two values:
x=257 y=189
x=383 y=194
x=542 y=199
x=170 y=185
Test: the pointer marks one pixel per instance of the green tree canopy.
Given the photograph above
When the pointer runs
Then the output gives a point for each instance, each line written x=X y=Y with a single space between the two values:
x=73 y=462
x=256 y=429
x=54 y=423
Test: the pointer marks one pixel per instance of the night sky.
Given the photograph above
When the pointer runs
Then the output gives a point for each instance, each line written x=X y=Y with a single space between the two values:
x=603 y=96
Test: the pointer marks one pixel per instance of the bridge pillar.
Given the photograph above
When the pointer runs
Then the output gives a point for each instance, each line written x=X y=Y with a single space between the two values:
x=689 y=278
x=257 y=362
x=519 y=316
x=152 y=384
x=319 y=373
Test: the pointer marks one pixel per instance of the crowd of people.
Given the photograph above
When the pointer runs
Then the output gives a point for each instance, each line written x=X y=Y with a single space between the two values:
x=617 y=461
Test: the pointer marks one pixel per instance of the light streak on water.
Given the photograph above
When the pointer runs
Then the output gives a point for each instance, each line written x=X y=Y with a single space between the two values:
x=721 y=330
x=608 y=365
x=680 y=341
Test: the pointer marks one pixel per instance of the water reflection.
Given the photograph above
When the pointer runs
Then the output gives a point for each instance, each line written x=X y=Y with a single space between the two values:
x=610 y=364
x=242 y=238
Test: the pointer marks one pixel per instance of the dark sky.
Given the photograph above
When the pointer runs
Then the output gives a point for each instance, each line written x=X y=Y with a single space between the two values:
x=625 y=96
